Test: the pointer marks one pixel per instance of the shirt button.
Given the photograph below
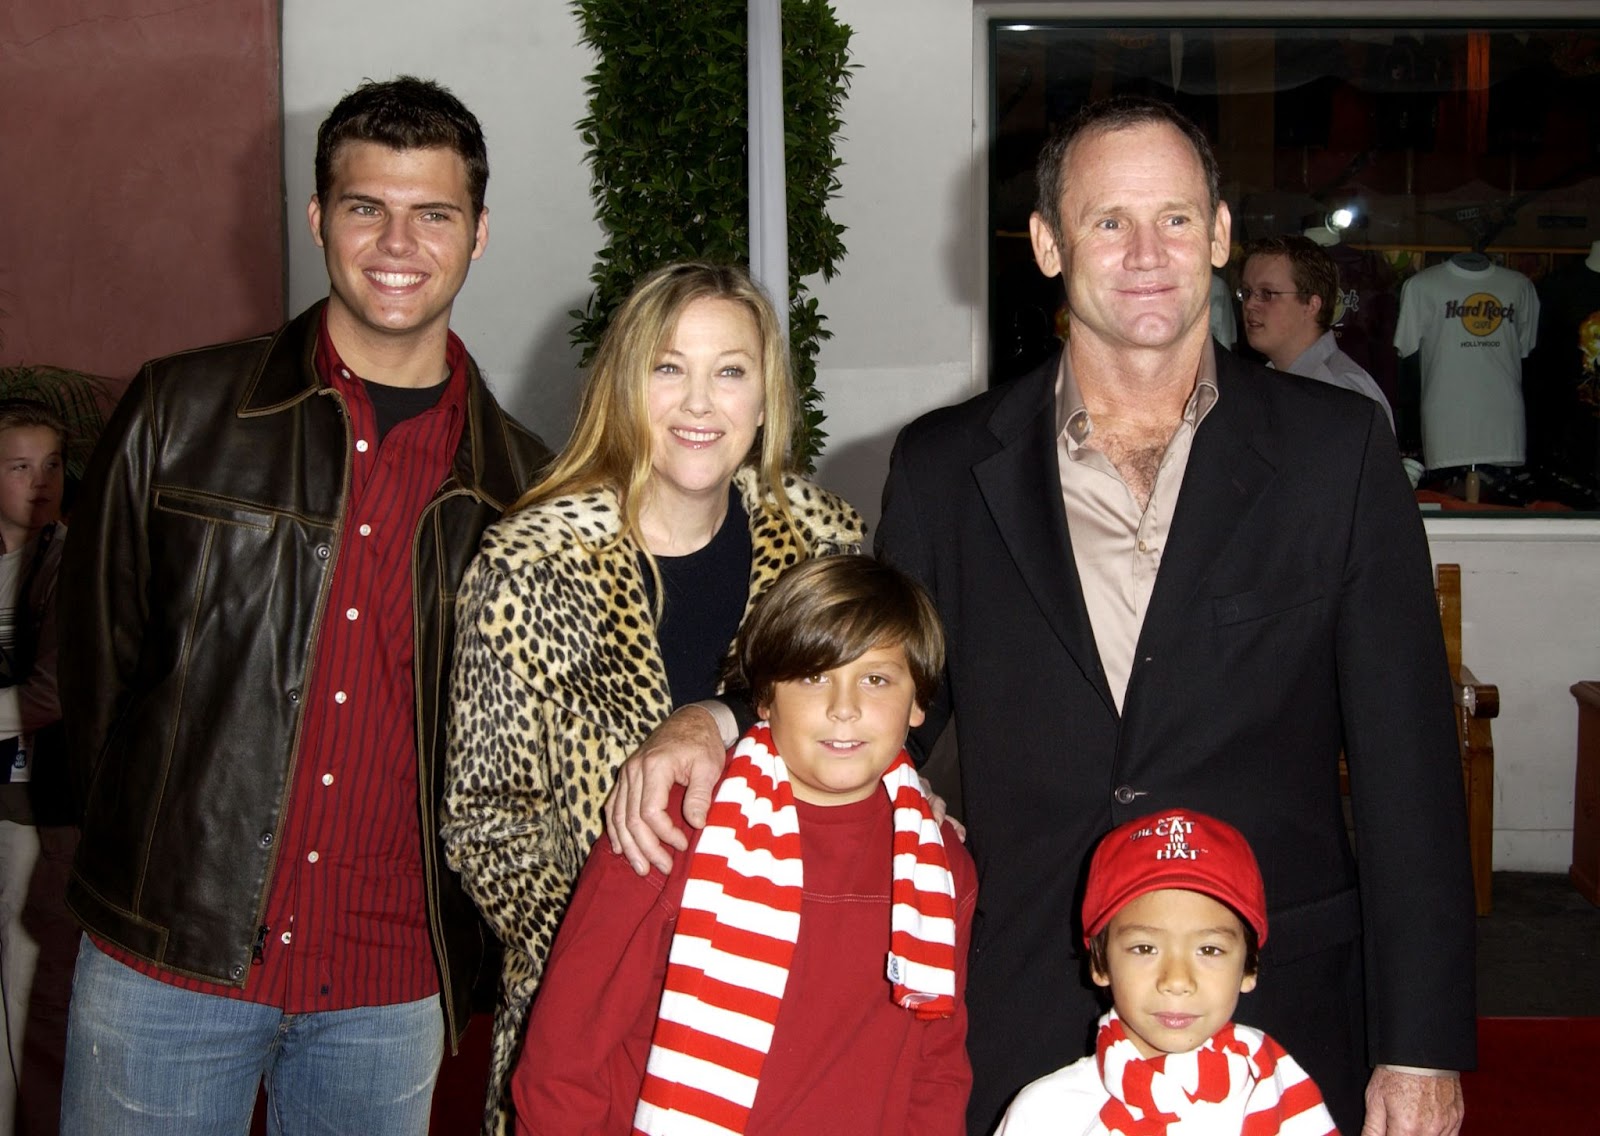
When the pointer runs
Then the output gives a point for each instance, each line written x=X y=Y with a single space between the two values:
x=327 y=779
x=340 y=697
x=323 y=552
x=343 y=373
x=266 y=840
x=1126 y=794
x=361 y=445
x=352 y=614
x=365 y=530
x=286 y=936
x=1143 y=547
x=312 y=857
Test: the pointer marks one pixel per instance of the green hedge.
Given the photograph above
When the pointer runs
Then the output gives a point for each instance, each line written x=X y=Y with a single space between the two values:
x=666 y=137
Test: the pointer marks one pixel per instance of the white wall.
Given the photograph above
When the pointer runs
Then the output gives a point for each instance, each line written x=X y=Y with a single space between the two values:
x=1530 y=624
x=903 y=310
x=904 y=306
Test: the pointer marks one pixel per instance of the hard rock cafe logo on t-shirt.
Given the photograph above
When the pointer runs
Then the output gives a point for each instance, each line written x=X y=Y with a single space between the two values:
x=1480 y=313
x=1346 y=302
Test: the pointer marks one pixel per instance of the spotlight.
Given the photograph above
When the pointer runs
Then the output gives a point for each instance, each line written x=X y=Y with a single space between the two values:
x=1341 y=219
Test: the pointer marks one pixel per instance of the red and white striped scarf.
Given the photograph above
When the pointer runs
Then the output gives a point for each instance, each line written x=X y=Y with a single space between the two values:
x=1240 y=1080
x=736 y=932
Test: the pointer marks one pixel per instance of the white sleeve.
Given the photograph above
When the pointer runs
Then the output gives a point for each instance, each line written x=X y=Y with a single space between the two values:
x=1408 y=330
x=1528 y=318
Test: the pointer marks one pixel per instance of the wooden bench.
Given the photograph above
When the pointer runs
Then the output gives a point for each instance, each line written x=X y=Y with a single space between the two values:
x=1474 y=704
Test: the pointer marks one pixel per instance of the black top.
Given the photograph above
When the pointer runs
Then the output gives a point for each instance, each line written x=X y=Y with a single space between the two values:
x=705 y=595
x=393 y=405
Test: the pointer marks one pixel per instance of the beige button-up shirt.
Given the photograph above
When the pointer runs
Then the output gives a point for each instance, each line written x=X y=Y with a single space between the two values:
x=1117 y=548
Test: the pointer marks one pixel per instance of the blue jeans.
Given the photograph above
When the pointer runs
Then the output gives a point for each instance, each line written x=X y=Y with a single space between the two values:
x=148 y=1059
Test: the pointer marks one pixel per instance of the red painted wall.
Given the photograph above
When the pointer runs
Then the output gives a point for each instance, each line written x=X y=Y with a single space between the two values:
x=141 y=183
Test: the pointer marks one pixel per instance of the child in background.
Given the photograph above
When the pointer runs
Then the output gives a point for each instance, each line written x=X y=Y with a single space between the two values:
x=1174 y=916
x=38 y=938
x=749 y=987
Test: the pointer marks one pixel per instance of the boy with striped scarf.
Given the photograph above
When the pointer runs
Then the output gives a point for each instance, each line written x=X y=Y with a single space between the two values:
x=802 y=968
x=1174 y=915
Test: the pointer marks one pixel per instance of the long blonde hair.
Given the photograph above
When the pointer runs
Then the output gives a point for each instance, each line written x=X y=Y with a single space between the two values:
x=610 y=447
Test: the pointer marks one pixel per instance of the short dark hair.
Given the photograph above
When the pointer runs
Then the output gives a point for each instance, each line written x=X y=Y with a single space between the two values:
x=404 y=113
x=1099 y=961
x=18 y=413
x=826 y=612
x=1313 y=271
x=1104 y=116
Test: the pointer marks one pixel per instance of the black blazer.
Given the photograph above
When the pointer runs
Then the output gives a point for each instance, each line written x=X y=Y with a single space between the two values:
x=1293 y=615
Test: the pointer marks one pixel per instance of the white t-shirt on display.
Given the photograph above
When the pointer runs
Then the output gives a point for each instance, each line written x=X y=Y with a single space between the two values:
x=1474 y=327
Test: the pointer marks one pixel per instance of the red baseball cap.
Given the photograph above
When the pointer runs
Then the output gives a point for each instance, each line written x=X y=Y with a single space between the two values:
x=1178 y=848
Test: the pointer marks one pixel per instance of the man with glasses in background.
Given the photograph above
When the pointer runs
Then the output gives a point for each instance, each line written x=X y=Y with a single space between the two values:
x=1289 y=294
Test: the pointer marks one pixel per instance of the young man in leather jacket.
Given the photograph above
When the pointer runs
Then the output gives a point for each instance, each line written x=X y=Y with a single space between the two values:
x=256 y=633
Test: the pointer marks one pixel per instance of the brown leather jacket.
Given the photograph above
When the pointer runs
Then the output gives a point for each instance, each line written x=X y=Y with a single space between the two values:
x=191 y=595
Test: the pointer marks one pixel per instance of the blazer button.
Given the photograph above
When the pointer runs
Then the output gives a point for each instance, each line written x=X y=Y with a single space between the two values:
x=237 y=972
x=266 y=840
x=294 y=698
x=323 y=552
x=1127 y=794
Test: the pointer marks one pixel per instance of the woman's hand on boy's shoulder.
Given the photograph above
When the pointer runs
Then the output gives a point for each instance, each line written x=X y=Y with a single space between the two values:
x=687 y=749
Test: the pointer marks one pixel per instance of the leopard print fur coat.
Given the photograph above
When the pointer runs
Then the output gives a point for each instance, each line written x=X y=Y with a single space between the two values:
x=558 y=678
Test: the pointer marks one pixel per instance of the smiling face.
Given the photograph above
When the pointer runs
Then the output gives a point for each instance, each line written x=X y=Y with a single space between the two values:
x=1283 y=324
x=31 y=475
x=839 y=730
x=1137 y=240
x=398 y=234
x=1175 y=963
x=705 y=402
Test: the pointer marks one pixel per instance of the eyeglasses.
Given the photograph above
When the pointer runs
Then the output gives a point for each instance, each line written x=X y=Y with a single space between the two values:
x=1265 y=295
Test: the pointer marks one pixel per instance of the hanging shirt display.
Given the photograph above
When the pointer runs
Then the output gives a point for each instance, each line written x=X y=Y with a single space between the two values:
x=1473 y=326
x=1365 y=314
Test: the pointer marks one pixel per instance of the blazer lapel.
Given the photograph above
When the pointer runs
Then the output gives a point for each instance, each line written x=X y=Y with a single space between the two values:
x=1228 y=470
x=1021 y=485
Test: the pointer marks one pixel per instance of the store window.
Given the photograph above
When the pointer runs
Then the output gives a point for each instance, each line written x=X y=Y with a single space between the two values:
x=1452 y=173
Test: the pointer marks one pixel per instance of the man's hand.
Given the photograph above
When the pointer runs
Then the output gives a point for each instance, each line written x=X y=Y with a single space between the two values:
x=936 y=806
x=687 y=750
x=1413 y=1104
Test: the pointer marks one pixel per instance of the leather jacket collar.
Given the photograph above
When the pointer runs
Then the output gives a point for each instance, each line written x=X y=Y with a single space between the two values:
x=482 y=465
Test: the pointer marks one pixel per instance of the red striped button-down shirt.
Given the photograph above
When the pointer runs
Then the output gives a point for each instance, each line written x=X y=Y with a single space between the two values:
x=346 y=920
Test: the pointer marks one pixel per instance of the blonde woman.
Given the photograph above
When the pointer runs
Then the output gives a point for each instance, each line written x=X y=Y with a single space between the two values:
x=610 y=593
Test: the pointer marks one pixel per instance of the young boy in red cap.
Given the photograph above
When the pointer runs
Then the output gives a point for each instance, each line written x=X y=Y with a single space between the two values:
x=1174 y=917
x=747 y=991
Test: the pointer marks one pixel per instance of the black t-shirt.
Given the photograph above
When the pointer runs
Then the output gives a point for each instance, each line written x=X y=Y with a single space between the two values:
x=1562 y=379
x=705 y=593
x=393 y=405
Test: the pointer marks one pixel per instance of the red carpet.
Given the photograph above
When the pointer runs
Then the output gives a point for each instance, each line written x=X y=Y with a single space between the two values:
x=463 y=1080
x=1534 y=1075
